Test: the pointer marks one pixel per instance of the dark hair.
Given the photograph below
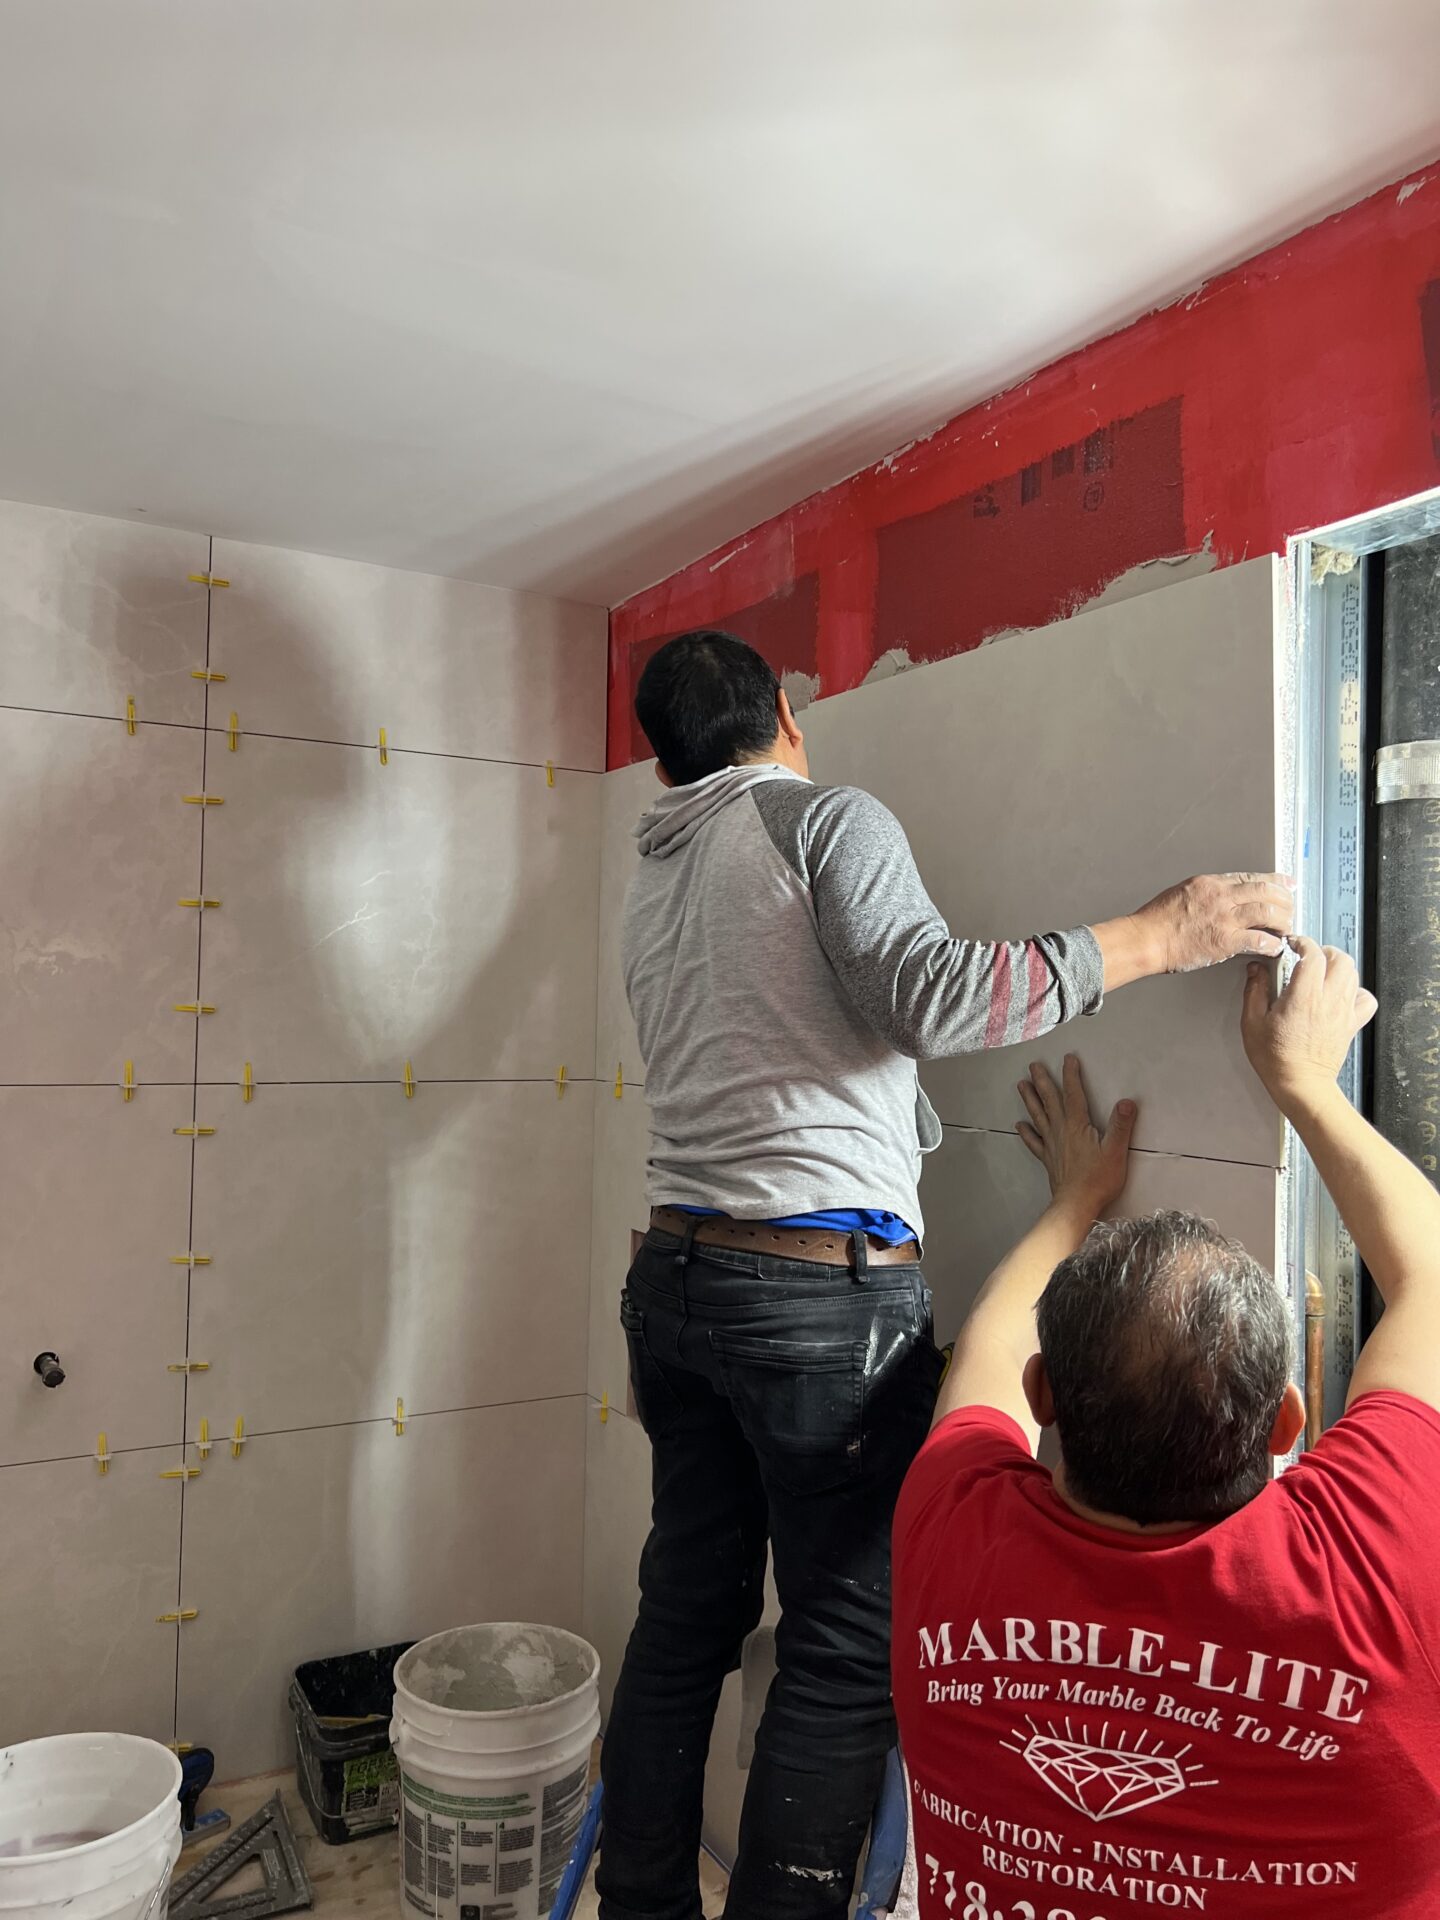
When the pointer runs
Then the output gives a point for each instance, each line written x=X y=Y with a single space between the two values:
x=706 y=700
x=1168 y=1353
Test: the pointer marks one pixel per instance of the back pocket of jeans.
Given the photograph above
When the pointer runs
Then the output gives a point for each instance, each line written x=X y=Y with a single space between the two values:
x=800 y=1404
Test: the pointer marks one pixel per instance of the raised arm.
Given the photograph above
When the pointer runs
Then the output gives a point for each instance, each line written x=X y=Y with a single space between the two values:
x=931 y=994
x=1297 y=1044
x=1087 y=1171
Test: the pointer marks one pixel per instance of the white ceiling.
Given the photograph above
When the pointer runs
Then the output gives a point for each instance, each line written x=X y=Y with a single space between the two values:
x=561 y=293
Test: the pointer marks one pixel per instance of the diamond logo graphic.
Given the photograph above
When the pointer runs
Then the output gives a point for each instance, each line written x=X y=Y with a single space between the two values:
x=1103 y=1778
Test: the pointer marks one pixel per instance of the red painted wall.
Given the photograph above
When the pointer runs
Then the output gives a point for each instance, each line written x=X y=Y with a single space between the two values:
x=1300 y=388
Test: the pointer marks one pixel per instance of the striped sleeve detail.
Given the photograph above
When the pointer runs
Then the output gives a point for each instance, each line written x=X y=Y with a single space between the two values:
x=996 y=1027
x=1041 y=984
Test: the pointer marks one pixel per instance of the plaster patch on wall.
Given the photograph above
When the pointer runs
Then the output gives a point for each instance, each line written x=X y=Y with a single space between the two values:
x=1162 y=572
x=1411 y=186
x=800 y=689
x=894 y=660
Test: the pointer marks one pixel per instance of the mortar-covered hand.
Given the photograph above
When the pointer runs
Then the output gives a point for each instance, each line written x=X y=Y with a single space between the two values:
x=1082 y=1163
x=1298 y=1041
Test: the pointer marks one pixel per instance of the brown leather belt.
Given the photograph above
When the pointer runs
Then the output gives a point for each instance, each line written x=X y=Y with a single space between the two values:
x=787 y=1243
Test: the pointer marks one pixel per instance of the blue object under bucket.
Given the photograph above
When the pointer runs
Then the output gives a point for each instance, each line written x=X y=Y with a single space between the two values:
x=572 y=1880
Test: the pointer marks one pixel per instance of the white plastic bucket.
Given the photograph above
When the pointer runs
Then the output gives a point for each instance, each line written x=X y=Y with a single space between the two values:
x=493 y=1728
x=89 y=1827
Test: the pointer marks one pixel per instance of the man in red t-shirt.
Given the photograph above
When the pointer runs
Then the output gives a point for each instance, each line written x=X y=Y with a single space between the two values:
x=1160 y=1678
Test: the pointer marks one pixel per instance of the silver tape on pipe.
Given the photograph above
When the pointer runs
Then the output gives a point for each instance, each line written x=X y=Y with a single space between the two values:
x=1409 y=770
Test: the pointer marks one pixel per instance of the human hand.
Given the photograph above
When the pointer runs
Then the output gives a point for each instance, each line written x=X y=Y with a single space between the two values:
x=1298 y=1041
x=1082 y=1163
x=1217 y=916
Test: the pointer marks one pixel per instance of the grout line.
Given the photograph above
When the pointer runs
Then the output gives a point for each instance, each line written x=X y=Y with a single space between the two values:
x=1149 y=1153
x=303 y=739
x=421 y=1080
x=320 y=1426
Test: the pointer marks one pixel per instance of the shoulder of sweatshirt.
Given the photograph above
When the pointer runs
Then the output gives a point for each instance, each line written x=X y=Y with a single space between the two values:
x=806 y=823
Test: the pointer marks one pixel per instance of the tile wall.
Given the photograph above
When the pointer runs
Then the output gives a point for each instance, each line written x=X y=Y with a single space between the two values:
x=433 y=909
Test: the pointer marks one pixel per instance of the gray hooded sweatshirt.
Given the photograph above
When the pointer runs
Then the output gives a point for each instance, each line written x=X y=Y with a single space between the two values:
x=786 y=969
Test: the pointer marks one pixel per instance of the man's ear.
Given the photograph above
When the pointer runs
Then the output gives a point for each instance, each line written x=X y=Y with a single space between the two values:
x=662 y=776
x=1036 y=1382
x=1289 y=1421
x=785 y=718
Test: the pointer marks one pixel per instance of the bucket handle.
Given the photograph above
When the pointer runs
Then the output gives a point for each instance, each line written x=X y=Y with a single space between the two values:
x=159 y=1893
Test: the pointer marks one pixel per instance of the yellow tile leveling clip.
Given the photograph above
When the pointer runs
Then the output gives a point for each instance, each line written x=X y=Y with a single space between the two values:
x=127 y=1083
x=207 y=580
x=129 y=714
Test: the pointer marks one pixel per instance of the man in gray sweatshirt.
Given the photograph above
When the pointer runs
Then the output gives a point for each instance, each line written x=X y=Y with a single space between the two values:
x=786 y=970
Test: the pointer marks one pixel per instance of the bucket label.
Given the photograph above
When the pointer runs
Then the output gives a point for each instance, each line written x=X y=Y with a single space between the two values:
x=497 y=1857
x=371 y=1790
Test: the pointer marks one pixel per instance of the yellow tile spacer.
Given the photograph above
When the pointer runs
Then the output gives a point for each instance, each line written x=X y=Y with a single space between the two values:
x=188 y=1366
x=207 y=580
x=181 y=1473
x=409 y=1082
x=398 y=1421
x=203 y=800
x=233 y=733
x=604 y=1409
x=247 y=1084
x=102 y=1454
x=203 y=673
x=129 y=714
x=560 y=1083
x=549 y=773
x=178 y=1617
x=384 y=749
x=127 y=1084
x=237 y=1439
x=180 y=1747
x=201 y=904
x=203 y=1442
x=620 y=1080
x=192 y=1006
x=193 y=1133
x=191 y=1259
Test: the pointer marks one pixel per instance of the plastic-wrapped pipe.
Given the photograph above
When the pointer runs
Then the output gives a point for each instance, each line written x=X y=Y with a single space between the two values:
x=1407 y=914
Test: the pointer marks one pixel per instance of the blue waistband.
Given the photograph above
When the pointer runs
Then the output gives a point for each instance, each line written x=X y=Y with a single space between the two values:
x=888 y=1227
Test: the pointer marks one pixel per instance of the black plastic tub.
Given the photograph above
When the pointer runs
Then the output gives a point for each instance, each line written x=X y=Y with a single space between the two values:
x=347 y=1775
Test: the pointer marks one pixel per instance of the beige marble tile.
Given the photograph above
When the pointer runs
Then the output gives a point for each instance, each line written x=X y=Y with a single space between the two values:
x=97 y=1202
x=93 y=611
x=434 y=910
x=1067 y=775
x=98 y=850
x=368 y=1247
x=982 y=1191
x=325 y=1541
x=624 y=796
x=91 y=1560
x=618 y=1210
x=334 y=650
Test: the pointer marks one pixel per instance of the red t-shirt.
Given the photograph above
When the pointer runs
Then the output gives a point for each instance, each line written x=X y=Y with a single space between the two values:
x=1239 y=1720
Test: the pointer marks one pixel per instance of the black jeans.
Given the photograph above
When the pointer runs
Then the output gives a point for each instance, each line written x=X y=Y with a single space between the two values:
x=784 y=1400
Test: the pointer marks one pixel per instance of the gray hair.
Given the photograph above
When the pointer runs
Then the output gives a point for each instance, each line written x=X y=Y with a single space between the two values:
x=1168 y=1352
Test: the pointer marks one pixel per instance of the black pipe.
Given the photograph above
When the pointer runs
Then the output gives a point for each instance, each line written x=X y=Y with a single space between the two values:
x=1407 y=916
